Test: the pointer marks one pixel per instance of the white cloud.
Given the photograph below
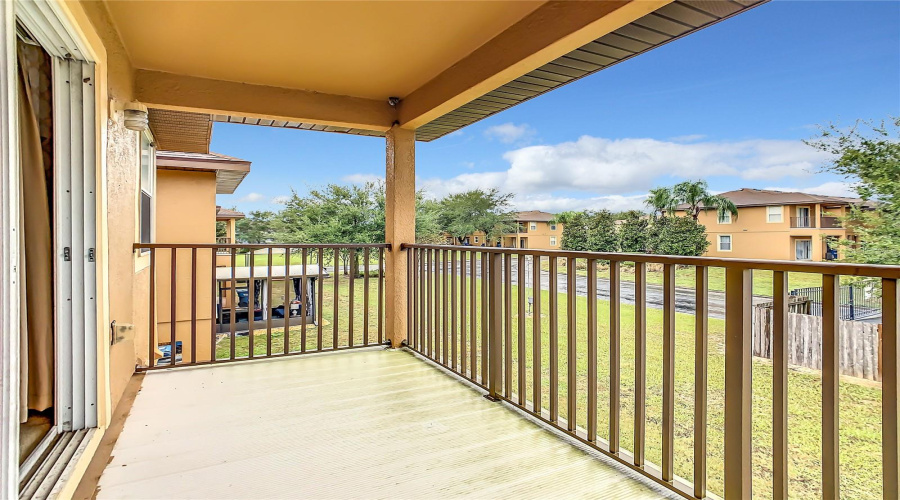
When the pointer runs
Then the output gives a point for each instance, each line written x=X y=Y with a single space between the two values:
x=468 y=164
x=556 y=204
x=362 y=178
x=509 y=133
x=253 y=198
x=688 y=138
x=827 y=189
x=606 y=167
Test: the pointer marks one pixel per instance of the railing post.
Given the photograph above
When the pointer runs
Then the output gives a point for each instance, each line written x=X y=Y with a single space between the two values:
x=831 y=360
x=890 y=399
x=495 y=306
x=738 y=390
x=400 y=226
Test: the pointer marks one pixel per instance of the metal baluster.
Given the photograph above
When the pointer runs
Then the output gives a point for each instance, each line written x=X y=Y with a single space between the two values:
x=640 y=361
x=592 y=351
x=701 y=357
x=615 y=354
x=554 y=340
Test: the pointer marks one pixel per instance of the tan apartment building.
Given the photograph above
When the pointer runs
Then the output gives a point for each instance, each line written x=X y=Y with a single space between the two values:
x=534 y=229
x=777 y=225
x=185 y=211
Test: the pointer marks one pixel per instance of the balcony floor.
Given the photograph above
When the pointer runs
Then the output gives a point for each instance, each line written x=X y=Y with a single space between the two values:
x=362 y=424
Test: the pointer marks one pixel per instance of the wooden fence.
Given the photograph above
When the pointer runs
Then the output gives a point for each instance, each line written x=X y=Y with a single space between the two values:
x=859 y=343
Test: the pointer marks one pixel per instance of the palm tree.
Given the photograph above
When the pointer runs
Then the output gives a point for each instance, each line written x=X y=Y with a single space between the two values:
x=697 y=197
x=661 y=200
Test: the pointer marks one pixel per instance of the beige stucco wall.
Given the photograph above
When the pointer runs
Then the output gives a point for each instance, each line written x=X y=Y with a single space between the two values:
x=753 y=237
x=124 y=277
x=185 y=213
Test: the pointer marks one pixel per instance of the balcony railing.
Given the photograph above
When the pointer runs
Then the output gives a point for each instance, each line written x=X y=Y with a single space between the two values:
x=803 y=222
x=263 y=303
x=584 y=342
x=828 y=222
x=527 y=326
x=223 y=240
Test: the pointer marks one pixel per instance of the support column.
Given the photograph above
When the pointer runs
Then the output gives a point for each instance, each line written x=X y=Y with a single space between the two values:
x=399 y=227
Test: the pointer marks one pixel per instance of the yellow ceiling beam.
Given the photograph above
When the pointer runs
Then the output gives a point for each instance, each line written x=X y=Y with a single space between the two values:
x=188 y=93
x=551 y=31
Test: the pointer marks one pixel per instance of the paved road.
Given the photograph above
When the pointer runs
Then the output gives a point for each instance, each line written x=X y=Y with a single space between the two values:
x=684 y=297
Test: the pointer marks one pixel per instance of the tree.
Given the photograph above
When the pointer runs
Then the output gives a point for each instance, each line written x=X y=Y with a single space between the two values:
x=697 y=197
x=868 y=155
x=660 y=201
x=602 y=232
x=588 y=231
x=428 y=225
x=677 y=236
x=575 y=230
x=632 y=232
x=334 y=214
x=257 y=227
x=477 y=210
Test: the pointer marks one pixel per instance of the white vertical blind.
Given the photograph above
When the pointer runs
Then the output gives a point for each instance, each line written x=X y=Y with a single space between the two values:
x=75 y=250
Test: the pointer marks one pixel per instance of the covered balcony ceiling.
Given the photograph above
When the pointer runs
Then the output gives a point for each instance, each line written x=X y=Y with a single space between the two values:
x=372 y=50
x=333 y=65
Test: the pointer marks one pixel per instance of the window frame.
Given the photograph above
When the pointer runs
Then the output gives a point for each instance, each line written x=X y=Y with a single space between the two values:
x=809 y=249
x=553 y=241
x=532 y=226
x=725 y=221
x=769 y=214
x=719 y=242
x=553 y=227
x=146 y=138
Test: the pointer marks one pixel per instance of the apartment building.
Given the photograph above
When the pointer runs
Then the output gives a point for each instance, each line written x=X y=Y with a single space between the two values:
x=534 y=229
x=778 y=225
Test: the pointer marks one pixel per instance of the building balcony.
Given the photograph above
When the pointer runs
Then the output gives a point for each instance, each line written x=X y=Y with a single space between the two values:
x=830 y=222
x=518 y=373
x=803 y=222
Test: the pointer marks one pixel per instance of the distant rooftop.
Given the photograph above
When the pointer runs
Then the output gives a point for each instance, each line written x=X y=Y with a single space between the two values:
x=749 y=197
x=230 y=171
x=224 y=213
x=534 y=216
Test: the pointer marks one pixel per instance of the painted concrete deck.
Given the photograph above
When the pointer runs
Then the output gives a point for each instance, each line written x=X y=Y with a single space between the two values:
x=363 y=424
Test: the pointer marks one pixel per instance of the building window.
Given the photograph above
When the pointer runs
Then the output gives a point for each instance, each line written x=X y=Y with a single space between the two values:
x=533 y=226
x=724 y=242
x=553 y=227
x=774 y=214
x=803 y=249
x=725 y=218
x=148 y=176
x=553 y=241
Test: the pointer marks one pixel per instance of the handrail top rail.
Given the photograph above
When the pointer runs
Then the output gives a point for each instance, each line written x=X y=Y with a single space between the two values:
x=830 y=268
x=140 y=246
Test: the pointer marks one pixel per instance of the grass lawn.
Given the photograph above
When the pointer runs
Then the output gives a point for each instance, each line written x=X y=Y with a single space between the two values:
x=860 y=402
x=685 y=277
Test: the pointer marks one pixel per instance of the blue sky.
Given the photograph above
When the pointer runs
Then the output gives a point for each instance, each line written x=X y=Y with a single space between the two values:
x=729 y=104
